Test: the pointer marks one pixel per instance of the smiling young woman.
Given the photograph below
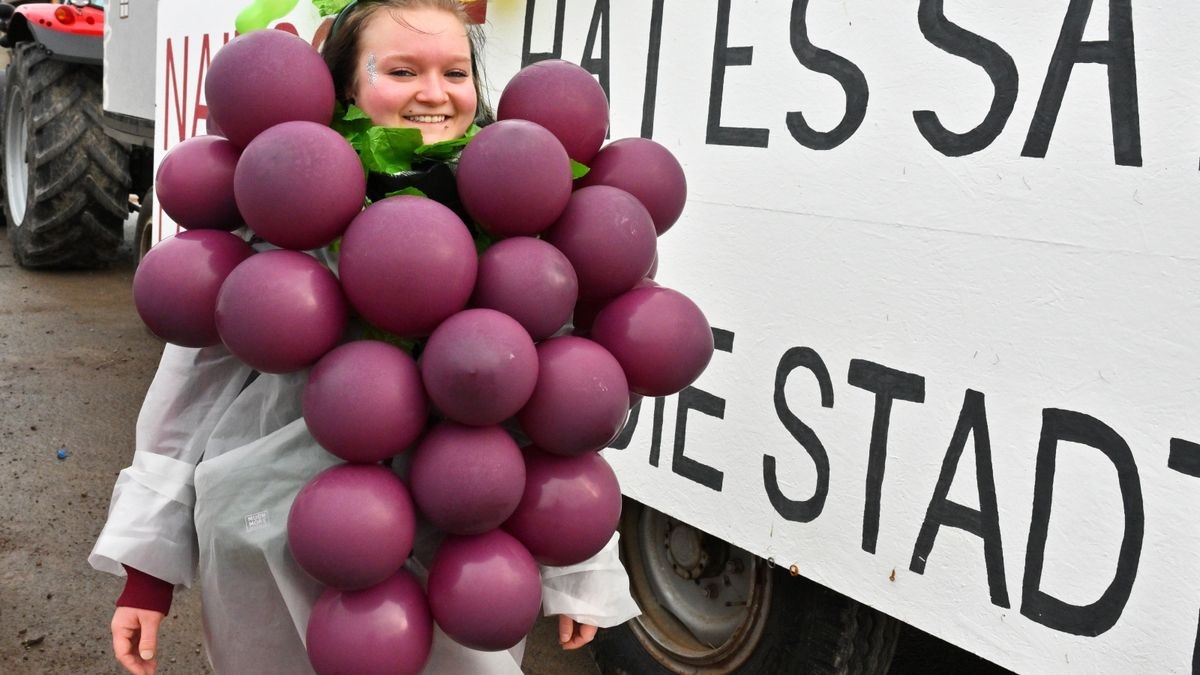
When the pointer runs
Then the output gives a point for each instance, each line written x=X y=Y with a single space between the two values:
x=414 y=70
x=410 y=65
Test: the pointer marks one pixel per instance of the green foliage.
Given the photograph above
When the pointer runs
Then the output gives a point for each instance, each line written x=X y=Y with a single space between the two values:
x=578 y=170
x=409 y=191
x=330 y=7
x=391 y=150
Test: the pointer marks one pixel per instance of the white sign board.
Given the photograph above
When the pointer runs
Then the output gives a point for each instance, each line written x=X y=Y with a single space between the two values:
x=188 y=37
x=946 y=251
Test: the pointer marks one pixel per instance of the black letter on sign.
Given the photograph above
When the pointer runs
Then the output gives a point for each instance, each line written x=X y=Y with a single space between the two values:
x=839 y=68
x=724 y=56
x=622 y=440
x=1185 y=458
x=1117 y=54
x=528 y=57
x=598 y=67
x=984 y=523
x=887 y=384
x=1196 y=653
x=800 y=510
x=1088 y=620
x=651 y=95
x=996 y=62
x=692 y=398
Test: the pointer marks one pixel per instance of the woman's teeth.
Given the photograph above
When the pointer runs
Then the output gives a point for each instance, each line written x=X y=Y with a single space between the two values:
x=426 y=119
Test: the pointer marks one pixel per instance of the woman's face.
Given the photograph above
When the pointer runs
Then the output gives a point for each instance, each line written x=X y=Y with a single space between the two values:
x=414 y=71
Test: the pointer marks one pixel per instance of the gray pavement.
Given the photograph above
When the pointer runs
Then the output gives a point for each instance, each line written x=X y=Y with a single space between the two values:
x=75 y=362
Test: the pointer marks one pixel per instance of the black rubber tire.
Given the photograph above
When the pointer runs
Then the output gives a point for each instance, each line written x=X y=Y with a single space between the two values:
x=799 y=627
x=77 y=196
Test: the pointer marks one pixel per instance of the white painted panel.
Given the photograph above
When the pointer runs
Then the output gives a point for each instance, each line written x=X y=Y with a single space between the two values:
x=1064 y=282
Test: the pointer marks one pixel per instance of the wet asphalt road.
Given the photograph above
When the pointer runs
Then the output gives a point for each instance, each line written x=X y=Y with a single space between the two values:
x=75 y=362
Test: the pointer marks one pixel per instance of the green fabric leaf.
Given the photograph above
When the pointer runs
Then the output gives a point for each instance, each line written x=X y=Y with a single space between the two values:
x=388 y=149
x=483 y=240
x=371 y=332
x=330 y=7
x=447 y=150
x=578 y=170
x=410 y=191
x=391 y=150
x=350 y=122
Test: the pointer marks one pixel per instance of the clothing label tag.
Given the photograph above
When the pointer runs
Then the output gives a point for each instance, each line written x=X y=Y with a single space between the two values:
x=257 y=520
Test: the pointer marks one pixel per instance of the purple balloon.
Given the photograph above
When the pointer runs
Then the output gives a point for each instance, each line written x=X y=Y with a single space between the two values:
x=529 y=280
x=570 y=508
x=407 y=263
x=364 y=401
x=265 y=78
x=299 y=184
x=479 y=367
x=467 y=480
x=565 y=99
x=176 y=285
x=485 y=590
x=609 y=238
x=211 y=127
x=194 y=184
x=581 y=398
x=352 y=525
x=385 y=629
x=659 y=336
x=645 y=170
x=280 y=311
x=514 y=178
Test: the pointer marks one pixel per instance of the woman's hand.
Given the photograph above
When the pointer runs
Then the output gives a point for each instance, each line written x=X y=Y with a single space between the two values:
x=135 y=639
x=572 y=634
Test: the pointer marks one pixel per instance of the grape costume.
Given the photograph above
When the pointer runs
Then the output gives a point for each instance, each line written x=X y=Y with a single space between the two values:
x=220 y=453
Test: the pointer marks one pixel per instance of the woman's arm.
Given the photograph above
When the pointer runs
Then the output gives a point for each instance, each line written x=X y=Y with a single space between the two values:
x=149 y=524
x=590 y=594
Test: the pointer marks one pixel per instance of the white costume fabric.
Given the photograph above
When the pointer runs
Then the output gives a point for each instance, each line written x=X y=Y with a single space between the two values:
x=219 y=457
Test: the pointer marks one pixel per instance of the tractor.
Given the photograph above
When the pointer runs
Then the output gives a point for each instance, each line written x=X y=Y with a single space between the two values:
x=71 y=171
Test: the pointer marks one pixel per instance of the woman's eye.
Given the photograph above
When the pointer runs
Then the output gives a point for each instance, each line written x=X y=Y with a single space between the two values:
x=402 y=72
x=457 y=74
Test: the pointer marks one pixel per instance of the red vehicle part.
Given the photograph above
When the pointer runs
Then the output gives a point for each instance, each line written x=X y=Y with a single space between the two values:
x=69 y=32
x=83 y=21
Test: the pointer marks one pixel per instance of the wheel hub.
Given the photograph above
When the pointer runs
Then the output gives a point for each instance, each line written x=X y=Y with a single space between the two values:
x=705 y=585
x=685 y=552
x=16 y=144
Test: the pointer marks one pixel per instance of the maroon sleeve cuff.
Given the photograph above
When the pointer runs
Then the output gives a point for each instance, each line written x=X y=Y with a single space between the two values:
x=143 y=591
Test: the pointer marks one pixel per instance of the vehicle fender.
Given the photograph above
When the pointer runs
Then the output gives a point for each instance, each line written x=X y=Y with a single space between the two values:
x=27 y=19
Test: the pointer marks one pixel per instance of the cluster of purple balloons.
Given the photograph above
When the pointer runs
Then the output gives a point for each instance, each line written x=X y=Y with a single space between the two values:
x=555 y=328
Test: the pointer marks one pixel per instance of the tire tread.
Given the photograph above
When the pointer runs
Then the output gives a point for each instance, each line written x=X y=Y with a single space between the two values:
x=79 y=176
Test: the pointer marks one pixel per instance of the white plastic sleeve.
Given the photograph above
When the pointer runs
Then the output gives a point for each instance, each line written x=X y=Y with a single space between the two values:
x=595 y=591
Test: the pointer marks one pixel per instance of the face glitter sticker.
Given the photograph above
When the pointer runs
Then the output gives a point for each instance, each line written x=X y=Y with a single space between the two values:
x=372 y=70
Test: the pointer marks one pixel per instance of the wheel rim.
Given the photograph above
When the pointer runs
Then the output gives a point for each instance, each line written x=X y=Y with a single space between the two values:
x=704 y=602
x=16 y=170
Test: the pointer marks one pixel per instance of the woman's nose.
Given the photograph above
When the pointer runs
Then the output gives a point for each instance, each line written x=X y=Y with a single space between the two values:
x=432 y=90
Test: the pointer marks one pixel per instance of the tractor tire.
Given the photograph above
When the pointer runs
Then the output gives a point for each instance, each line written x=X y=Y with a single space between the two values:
x=66 y=182
x=718 y=610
